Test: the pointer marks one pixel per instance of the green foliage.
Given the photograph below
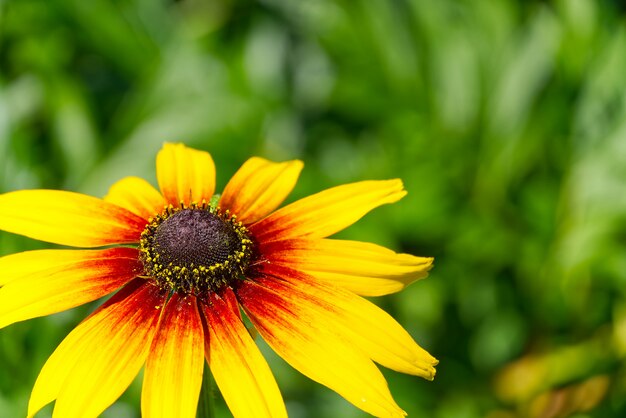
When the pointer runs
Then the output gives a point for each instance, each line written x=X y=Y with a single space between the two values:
x=505 y=119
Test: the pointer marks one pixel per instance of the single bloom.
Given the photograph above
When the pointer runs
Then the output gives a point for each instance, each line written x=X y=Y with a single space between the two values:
x=186 y=264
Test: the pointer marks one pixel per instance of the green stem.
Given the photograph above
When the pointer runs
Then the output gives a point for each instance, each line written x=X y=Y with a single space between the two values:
x=206 y=406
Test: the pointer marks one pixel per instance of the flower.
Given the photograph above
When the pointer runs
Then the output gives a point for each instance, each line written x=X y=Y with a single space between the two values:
x=185 y=263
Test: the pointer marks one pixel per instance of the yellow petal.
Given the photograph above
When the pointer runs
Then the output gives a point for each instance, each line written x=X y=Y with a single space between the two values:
x=97 y=361
x=173 y=376
x=363 y=268
x=327 y=212
x=185 y=175
x=136 y=195
x=259 y=187
x=68 y=218
x=43 y=282
x=355 y=319
x=306 y=341
x=241 y=372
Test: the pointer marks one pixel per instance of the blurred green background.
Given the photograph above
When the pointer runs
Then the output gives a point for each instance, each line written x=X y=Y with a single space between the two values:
x=506 y=120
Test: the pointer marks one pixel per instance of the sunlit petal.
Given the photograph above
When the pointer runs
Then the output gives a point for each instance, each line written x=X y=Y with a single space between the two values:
x=99 y=359
x=42 y=282
x=241 y=372
x=259 y=187
x=68 y=218
x=304 y=339
x=185 y=174
x=363 y=268
x=173 y=376
x=136 y=195
x=327 y=212
x=354 y=318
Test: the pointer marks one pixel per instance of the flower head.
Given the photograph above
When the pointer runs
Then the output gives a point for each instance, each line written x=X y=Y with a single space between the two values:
x=185 y=264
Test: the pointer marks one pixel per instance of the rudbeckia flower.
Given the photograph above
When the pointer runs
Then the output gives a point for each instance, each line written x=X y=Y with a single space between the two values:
x=187 y=265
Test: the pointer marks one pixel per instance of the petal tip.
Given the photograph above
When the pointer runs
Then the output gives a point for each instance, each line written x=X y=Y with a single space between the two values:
x=432 y=371
x=299 y=164
x=35 y=406
x=168 y=144
x=429 y=263
x=396 y=190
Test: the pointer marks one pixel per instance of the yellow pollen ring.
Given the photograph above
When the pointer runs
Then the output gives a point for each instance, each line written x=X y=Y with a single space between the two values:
x=208 y=268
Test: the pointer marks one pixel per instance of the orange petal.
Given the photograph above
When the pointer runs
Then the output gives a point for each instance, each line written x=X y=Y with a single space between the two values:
x=363 y=268
x=173 y=376
x=68 y=218
x=259 y=187
x=241 y=372
x=97 y=361
x=306 y=341
x=136 y=195
x=185 y=175
x=43 y=282
x=327 y=212
x=355 y=319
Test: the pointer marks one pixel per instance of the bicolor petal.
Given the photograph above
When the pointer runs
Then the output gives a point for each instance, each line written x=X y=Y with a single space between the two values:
x=136 y=195
x=97 y=361
x=303 y=338
x=363 y=268
x=356 y=319
x=325 y=213
x=173 y=376
x=185 y=175
x=241 y=372
x=259 y=187
x=68 y=218
x=42 y=282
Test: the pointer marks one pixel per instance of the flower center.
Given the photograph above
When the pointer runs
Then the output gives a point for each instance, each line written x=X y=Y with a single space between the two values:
x=195 y=249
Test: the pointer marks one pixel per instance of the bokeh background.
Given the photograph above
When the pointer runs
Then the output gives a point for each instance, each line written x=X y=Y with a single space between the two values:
x=505 y=119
